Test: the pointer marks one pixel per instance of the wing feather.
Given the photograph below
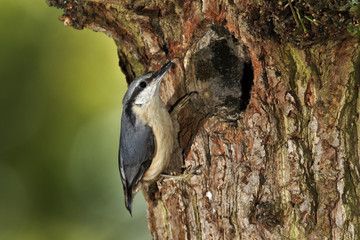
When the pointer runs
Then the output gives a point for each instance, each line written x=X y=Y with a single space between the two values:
x=137 y=148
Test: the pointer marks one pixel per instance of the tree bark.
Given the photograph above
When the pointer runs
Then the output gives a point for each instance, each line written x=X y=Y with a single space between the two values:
x=274 y=124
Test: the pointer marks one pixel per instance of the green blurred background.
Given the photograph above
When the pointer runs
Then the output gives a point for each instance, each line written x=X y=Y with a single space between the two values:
x=61 y=92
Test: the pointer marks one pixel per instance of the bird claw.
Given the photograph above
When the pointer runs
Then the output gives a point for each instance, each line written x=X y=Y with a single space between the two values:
x=188 y=173
x=180 y=104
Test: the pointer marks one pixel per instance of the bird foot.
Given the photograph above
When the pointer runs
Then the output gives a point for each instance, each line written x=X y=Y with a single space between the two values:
x=188 y=173
x=180 y=104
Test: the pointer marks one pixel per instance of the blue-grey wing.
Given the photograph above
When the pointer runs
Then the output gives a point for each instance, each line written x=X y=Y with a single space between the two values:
x=137 y=148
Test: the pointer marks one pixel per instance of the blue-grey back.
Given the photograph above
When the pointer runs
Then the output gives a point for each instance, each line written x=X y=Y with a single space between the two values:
x=137 y=148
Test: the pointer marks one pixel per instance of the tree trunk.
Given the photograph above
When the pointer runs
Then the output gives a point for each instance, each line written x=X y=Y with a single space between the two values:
x=274 y=124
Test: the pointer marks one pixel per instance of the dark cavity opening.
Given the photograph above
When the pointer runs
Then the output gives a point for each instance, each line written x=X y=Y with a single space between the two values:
x=246 y=84
x=224 y=74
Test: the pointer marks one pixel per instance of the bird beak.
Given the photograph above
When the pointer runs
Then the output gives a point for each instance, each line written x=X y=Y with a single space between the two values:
x=159 y=74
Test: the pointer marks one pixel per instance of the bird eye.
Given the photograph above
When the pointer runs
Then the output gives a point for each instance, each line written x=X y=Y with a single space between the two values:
x=143 y=84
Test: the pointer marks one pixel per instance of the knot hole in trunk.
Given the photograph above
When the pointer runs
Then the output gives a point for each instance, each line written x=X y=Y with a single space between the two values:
x=220 y=70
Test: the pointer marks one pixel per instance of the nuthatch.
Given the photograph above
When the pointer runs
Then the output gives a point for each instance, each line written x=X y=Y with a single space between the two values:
x=146 y=138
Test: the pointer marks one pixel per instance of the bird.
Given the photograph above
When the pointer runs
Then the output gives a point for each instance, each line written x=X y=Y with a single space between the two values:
x=146 y=135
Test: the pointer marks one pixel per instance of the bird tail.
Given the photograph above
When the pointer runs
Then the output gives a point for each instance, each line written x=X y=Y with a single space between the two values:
x=128 y=200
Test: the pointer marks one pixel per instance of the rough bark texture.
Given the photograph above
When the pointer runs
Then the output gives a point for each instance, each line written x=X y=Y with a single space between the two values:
x=275 y=121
